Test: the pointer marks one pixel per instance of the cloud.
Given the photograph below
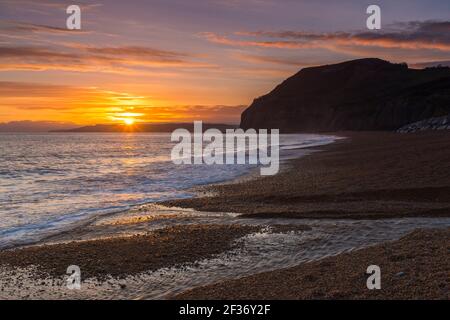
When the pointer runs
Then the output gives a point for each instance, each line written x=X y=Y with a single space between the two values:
x=126 y=59
x=37 y=96
x=97 y=105
x=53 y=4
x=21 y=89
x=135 y=51
x=187 y=113
x=277 y=60
x=415 y=35
x=33 y=52
x=215 y=38
x=8 y=27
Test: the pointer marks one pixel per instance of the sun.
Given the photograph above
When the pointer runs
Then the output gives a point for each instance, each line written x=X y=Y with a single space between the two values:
x=128 y=121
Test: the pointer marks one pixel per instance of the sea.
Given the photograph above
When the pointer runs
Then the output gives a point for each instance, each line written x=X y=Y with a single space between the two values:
x=53 y=182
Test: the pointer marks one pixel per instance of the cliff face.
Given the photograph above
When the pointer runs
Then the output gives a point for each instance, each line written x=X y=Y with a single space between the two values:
x=366 y=94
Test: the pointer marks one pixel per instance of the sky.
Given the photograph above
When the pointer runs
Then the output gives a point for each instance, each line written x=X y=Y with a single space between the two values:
x=178 y=60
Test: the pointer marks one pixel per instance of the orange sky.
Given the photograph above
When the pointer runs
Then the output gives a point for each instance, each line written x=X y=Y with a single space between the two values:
x=170 y=60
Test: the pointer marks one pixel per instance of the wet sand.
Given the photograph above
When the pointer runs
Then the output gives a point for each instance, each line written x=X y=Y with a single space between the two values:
x=366 y=176
x=414 y=267
x=123 y=256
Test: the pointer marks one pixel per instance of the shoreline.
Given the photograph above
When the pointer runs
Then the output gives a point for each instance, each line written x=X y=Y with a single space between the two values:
x=123 y=256
x=369 y=175
x=414 y=267
x=195 y=191
x=306 y=190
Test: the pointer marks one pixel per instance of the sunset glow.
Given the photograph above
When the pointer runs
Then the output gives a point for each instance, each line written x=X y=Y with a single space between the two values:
x=161 y=62
x=129 y=121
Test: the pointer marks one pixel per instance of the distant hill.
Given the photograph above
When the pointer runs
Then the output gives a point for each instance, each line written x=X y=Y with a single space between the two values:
x=147 y=127
x=35 y=126
x=365 y=94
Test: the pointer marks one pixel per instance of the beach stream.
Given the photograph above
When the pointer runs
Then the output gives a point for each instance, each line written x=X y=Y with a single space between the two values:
x=280 y=243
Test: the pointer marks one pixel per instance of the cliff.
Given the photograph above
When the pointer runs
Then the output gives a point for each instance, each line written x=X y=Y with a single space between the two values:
x=365 y=94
